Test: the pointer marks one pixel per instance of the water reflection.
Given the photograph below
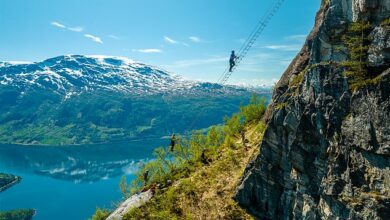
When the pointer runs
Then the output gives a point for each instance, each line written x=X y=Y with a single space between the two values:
x=79 y=164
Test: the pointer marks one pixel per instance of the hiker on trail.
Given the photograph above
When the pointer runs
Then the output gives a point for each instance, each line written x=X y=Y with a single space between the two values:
x=146 y=177
x=243 y=139
x=173 y=142
x=232 y=61
x=203 y=157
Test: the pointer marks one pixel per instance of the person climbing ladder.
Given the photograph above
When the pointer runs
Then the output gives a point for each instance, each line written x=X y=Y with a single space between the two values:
x=232 y=61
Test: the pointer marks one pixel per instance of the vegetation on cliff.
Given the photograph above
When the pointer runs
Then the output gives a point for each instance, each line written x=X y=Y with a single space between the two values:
x=198 y=179
x=357 y=41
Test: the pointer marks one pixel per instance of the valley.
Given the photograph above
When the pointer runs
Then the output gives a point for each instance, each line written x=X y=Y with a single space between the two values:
x=73 y=100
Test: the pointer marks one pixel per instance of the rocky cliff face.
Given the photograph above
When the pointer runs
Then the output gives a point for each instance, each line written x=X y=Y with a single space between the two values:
x=326 y=149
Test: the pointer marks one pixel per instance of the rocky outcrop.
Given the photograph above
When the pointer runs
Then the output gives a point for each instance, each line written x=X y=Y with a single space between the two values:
x=326 y=150
x=379 y=51
x=8 y=180
x=134 y=201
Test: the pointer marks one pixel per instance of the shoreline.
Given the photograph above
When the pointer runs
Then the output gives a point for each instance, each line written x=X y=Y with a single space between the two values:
x=88 y=144
x=9 y=185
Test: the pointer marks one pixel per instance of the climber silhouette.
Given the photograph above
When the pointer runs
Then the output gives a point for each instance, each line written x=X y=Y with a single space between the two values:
x=232 y=61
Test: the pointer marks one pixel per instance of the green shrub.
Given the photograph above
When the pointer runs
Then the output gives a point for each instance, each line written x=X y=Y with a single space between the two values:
x=233 y=125
x=186 y=158
x=356 y=40
x=365 y=83
x=124 y=188
x=260 y=127
x=385 y=22
x=100 y=214
x=254 y=111
x=133 y=214
x=187 y=187
x=159 y=171
x=229 y=143
x=196 y=145
x=281 y=105
x=232 y=157
x=21 y=214
x=298 y=79
x=215 y=137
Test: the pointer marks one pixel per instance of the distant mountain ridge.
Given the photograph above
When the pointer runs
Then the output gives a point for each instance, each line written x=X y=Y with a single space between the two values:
x=77 y=99
x=74 y=74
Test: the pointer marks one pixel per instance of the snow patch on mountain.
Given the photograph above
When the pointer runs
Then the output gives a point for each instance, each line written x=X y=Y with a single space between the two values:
x=73 y=74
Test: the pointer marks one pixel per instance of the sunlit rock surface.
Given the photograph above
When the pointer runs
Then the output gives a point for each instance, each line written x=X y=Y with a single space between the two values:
x=326 y=149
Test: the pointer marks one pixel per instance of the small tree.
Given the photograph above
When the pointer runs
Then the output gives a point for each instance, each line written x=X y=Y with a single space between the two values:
x=255 y=110
x=100 y=214
x=356 y=41
x=214 y=137
x=123 y=187
x=233 y=125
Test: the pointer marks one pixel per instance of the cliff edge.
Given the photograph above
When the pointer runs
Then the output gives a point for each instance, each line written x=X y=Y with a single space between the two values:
x=326 y=148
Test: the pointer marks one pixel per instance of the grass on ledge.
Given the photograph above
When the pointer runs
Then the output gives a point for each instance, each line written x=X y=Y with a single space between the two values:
x=207 y=192
x=198 y=180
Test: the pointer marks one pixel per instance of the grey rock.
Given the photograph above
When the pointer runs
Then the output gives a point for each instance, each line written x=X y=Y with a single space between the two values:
x=379 y=51
x=326 y=155
x=134 y=201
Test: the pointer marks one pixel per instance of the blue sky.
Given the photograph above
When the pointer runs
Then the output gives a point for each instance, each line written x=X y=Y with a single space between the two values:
x=189 y=38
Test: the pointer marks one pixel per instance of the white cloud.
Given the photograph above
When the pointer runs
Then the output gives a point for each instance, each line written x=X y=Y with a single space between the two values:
x=195 y=39
x=93 y=38
x=148 y=50
x=196 y=62
x=298 y=37
x=170 y=40
x=287 y=47
x=81 y=29
x=57 y=24
x=113 y=37
x=76 y=29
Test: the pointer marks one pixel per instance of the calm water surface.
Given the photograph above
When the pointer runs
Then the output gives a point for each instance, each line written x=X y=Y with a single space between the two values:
x=70 y=182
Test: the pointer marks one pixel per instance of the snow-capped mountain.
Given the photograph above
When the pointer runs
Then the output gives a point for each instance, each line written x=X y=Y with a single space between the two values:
x=93 y=99
x=74 y=74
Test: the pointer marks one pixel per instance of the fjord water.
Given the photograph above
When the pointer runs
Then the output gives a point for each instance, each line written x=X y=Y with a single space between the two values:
x=70 y=182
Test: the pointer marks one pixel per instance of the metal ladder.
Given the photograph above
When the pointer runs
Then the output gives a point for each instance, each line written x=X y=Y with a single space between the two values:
x=261 y=25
